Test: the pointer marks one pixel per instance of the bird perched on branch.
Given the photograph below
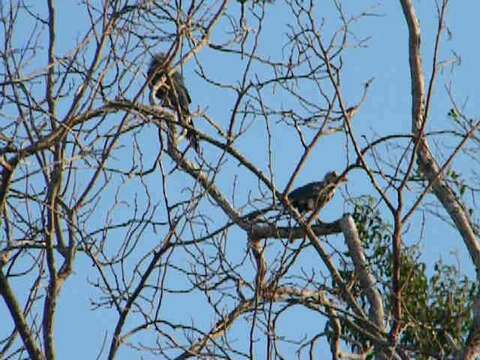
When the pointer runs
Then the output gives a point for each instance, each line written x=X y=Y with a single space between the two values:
x=315 y=195
x=169 y=88
x=310 y=197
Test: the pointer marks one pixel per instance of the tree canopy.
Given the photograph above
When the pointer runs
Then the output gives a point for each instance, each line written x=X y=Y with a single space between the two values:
x=118 y=240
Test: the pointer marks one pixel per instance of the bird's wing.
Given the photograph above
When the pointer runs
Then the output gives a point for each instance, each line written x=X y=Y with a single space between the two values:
x=182 y=100
x=295 y=194
x=181 y=89
x=304 y=191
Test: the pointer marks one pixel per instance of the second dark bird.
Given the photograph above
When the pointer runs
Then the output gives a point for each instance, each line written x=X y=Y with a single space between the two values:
x=170 y=89
x=315 y=195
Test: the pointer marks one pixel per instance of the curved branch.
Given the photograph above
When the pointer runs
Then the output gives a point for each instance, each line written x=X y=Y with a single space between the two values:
x=21 y=325
x=431 y=170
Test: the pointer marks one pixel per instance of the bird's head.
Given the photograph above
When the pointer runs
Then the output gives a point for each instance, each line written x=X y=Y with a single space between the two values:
x=333 y=177
x=158 y=59
x=157 y=65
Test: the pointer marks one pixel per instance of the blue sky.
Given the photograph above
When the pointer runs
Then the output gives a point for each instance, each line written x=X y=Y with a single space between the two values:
x=387 y=110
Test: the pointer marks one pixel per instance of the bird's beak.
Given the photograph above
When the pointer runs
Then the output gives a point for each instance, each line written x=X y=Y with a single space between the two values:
x=342 y=179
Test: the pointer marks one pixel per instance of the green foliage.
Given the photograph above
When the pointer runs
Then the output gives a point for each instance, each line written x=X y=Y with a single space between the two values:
x=457 y=180
x=454 y=115
x=436 y=307
x=438 y=313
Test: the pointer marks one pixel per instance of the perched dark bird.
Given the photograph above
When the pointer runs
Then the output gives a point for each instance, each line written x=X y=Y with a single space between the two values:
x=310 y=197
x=315 y=195
x=170 y=89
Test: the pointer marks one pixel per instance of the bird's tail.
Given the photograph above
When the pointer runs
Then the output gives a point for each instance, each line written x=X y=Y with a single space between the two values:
x=192 y=138
x=190 y=134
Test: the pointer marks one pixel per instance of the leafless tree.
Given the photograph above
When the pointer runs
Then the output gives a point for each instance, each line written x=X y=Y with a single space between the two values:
x=201 y=254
